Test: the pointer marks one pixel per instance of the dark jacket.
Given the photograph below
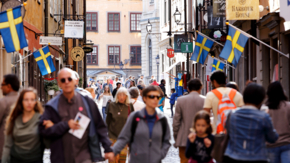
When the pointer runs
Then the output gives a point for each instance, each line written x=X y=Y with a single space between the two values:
x=97 y=130
x=162 y=86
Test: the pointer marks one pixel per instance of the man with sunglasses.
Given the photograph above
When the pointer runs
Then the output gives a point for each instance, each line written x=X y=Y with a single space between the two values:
x=61 y=111
x=9 y=86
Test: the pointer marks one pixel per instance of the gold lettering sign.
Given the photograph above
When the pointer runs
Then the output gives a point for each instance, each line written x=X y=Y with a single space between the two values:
x=242 y=9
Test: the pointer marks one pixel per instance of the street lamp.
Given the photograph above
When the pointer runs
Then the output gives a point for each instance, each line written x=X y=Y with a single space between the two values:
x=121 y=65
x=177 y=16
x=149 y=27
x=157 y=63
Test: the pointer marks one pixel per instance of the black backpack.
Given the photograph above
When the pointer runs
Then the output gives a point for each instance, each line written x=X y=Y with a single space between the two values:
x=135 y=123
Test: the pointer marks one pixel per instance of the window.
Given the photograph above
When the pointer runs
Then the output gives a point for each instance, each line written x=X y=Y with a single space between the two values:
x=92 y=58
x=51 y=7
x=135 y=22
x=113 y=55
x=113 y=22
x=165 y=12
x=150 y=57
x=92 y=21
x=136 y=59
x=55 y=9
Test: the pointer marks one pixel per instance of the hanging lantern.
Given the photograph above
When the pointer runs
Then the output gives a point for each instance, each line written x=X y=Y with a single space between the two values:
x=170 y=53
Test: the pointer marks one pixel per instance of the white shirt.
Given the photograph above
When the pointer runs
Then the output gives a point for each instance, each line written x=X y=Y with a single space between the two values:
x=138 y=105
x=140 y=99
x=106 y=99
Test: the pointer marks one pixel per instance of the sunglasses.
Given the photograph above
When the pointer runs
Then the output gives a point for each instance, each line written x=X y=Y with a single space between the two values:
x=64 y=79
x=152 y=97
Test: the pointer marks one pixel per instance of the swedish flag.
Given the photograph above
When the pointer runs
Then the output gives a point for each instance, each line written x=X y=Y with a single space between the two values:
x=202 y=47
x=234 y=46
x=11 y=29
x=44 y=61
x=217 y=65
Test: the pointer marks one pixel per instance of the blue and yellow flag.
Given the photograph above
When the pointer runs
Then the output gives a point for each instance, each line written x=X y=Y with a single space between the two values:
x=234 y=46
x=202 y=47
x=44 y=61
x=11 y=29
x=217 y=65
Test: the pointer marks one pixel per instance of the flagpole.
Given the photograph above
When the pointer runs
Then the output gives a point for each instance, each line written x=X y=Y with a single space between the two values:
x=248 y=35
x=209 y=38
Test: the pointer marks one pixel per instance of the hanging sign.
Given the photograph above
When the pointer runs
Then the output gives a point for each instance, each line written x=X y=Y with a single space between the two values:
x=242 y=10
x=77 y=54
x=43 y=40
x=219 y=8
x=74 y=29
x=214 y=21
x=178 y=39
x=170 y=53
x=187 y=47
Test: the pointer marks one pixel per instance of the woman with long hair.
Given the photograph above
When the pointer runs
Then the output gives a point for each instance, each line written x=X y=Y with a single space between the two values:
x=132 y=84
x=117 y=114
x=146 y=131
x=279 y=110
x=107 y=97
x=22 y=139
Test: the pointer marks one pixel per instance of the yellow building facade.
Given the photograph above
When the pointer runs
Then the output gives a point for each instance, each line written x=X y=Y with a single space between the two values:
x=114 y=29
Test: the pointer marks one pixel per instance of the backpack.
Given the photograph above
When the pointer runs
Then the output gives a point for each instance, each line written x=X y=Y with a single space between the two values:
x=225 y=105
x=135 y=123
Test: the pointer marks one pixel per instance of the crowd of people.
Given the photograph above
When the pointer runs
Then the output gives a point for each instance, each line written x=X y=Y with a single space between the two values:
x=131 y=125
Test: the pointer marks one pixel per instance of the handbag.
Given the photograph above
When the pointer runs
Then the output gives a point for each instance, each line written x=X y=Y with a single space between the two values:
x=221 y=143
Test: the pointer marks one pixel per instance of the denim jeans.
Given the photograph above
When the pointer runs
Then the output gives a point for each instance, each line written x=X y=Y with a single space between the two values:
x=171 y=107
x=279 y=154
x=104 y=113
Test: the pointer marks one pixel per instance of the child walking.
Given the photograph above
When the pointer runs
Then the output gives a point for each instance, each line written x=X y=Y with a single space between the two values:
x=172 y=100
x=200 y=141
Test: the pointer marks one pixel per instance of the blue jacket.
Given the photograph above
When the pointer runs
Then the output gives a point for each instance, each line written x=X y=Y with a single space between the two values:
x=173 y=98
x=97 y=130
x=249 y=129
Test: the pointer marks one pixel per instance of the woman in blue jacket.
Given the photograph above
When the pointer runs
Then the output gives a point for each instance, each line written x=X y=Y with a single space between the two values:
x=250 y=129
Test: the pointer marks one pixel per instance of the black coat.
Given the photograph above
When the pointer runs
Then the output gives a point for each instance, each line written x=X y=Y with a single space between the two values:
x=55 y=133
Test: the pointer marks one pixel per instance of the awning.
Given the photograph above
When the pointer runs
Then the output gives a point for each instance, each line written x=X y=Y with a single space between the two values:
x=94 y=73
x=172 y=66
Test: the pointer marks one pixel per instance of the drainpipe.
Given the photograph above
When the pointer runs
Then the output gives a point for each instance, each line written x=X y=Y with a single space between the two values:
x=66 y=40
x=169 y=33
x=74 y=40
x=85 y=41
x=46 y=18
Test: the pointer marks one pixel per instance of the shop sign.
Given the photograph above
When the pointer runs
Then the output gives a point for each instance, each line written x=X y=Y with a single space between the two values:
x=77 y=54
x=44 y=40
x=178 y=39
x=219 y=8
x=170 y=53
x=88 y=49
x=214 y=21
x=187 y=47
x=74 y=29
x=242 y=10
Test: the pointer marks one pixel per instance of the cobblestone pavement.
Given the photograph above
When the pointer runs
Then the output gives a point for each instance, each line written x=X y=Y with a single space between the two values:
x=172 y=155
